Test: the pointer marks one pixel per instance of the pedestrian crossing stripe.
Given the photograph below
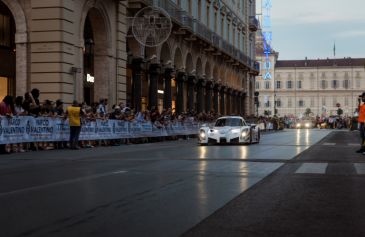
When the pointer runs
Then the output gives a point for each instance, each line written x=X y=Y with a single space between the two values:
x=312 y=168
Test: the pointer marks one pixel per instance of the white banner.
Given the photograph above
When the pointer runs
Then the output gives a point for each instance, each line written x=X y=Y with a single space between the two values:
x=42 y=129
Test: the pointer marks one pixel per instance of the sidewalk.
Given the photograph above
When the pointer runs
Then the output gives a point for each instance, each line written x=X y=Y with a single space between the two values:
x=319 y=193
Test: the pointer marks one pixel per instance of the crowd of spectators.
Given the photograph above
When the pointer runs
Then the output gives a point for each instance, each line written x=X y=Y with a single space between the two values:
x=30 y=105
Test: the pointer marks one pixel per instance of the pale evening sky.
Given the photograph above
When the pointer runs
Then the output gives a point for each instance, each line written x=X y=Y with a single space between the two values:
x=309 y=28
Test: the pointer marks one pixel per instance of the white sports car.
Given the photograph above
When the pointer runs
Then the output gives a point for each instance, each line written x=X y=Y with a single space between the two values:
x=229 y=129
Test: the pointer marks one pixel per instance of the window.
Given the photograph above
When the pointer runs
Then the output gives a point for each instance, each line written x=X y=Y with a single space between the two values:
x=358 y=82
x=289 y=84
x=257 y=85
x=346 y=75
x=278 y=84
x=267 y=104
x=290 y=103
x=267 y=85
x=323 y=75
x=6 y=31
x=234 y=36
x=346 y=84
x=299 y=84
x=323 y=101
x=312 y=102
x=199 y=10
x=208 y=16
x=346 y=101
x=312 y=83
x=323 y=84
x=239 y=41
x=357 y=74
x=334 y=84
x=301 y=103
x=278 y=103
x=190 y=7
x=228 y=31
x=334 y=101
x=222 y=26
x=215 y=22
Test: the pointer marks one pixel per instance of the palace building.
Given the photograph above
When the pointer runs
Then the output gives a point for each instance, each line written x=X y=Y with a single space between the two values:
x=88 y=49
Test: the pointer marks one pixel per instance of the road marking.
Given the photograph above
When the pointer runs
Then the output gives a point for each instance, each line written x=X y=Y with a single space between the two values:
x=360 y=168
x=69 y=181
x=312 y=168
x=328 y=144
x=353 y=144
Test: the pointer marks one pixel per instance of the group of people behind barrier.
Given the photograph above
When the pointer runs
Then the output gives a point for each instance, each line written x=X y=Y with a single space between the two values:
x=92 y=116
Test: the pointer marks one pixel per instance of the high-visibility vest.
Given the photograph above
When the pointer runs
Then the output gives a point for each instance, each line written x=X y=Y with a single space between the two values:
x=361 y=118
x=74 y=116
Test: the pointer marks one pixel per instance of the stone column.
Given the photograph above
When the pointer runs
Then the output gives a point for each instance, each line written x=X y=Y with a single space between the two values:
x=154 y=74
x=216 y=98
x=191 y=84
x=222 y=105
x=167 y=98
x=21 y=64
x=137 y=65
x=208 y=96
x=181 y=77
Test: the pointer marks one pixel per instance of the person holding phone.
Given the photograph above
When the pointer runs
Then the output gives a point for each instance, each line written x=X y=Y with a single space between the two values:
x=361 y=121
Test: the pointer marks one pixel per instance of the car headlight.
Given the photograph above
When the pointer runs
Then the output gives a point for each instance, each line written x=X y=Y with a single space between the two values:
x=307 y=125
x=298 y=125
x=202 y=134
x=244 y=133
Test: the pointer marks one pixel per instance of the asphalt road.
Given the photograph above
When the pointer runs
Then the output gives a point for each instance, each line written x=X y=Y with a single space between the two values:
x=318 y=193
x=165 y=189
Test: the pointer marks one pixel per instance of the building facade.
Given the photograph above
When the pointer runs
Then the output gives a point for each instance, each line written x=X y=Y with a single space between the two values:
x=321 y=85
x=86 y=50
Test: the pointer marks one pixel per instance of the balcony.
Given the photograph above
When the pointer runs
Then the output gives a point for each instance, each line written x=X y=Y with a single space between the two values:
x=253 y=24
x=197 y=28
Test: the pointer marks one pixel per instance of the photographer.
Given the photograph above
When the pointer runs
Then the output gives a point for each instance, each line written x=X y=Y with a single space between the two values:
x=361 y=120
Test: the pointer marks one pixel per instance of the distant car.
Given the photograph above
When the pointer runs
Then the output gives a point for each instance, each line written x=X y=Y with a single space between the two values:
x=229 y=130
x=304 y=124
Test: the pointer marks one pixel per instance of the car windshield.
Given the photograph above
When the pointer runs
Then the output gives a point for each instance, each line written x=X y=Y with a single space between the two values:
x=228 y=122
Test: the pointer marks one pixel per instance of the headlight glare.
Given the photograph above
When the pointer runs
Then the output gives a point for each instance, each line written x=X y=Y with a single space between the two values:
x=202 y=134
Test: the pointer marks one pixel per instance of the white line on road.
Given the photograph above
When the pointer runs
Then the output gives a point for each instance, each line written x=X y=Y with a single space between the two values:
x=312 y=168
x=69 y=181
x=360 y=168
x=329 y=144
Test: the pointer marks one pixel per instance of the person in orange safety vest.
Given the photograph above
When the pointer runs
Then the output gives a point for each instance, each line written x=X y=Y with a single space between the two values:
x=361 y=121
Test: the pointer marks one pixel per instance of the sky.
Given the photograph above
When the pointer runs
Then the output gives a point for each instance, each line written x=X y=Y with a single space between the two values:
x=310 y=28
